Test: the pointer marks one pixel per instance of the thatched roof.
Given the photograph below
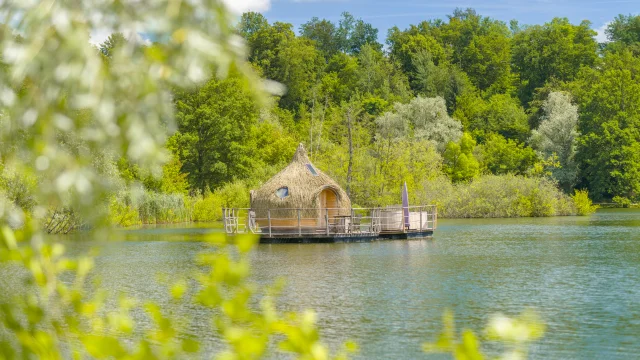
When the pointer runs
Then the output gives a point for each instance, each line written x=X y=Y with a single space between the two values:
x=303 y=186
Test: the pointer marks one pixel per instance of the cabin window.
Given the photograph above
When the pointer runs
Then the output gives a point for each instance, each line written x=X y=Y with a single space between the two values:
x=312 y=170
x=283 y=192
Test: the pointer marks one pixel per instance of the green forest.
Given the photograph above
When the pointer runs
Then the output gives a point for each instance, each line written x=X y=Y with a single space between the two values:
x=480 y=117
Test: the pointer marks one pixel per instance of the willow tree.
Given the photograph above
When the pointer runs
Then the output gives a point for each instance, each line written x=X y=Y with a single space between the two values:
x=429 y=120
x=557 y=135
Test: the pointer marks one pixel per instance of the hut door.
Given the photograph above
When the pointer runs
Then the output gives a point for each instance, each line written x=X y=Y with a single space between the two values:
x=328 y=200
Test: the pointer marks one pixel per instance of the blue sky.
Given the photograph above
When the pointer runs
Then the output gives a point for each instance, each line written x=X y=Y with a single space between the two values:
x=384 y=14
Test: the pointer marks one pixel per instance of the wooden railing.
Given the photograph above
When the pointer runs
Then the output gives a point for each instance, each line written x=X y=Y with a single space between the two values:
x=310 y=222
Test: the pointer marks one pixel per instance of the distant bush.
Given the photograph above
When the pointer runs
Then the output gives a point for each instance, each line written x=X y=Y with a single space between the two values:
x=621 y=201
x=122 y=213
x=584 y=205
x=495 y=196
x=209 y=207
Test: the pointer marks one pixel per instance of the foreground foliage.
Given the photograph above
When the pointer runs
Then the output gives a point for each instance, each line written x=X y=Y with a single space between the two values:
x=515 y=334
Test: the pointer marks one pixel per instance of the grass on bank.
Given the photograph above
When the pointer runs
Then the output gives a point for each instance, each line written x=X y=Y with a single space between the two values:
x=146 y=207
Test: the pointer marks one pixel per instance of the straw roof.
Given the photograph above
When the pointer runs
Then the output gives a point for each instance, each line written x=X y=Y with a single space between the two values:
x=303 y=186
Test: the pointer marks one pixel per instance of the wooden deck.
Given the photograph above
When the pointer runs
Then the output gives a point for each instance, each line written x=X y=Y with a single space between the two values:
x=301 y=226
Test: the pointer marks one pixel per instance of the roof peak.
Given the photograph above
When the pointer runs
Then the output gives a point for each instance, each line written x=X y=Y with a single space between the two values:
x=301 y=155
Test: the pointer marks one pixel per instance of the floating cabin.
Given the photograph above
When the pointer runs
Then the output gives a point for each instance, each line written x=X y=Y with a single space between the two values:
x=301 y=204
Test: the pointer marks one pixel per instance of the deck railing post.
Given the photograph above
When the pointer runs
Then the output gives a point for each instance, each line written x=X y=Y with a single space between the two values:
x=236 y=223
x=421 y=208
x=269 y=219
x=224 y=220
x=435 y=217
x=353 y=215
x=299 y=228
x=326 y=219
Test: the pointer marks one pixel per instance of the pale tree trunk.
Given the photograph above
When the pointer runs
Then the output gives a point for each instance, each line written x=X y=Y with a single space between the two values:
x=384 y=166
x=324 y=110
x=350 y=139
x=313 y=111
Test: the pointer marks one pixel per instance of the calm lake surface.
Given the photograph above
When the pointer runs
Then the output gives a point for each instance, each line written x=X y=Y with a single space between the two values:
x=582 y=274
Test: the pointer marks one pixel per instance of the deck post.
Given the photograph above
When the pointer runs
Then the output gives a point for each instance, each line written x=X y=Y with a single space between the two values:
x=224 y=219
x=236 y=224
x=326 y=219
x=299 y=228
x=421 y=208
x=435 y=217
x=353 y=215
x=269 y=218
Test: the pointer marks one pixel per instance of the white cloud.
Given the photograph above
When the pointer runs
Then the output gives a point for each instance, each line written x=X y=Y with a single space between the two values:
x=98 y=36
x=602 y=36
x=241 y=6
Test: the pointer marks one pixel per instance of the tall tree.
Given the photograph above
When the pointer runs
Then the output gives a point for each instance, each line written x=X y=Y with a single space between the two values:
x=446 y=81
x=340 y=80
x=213 y=123
x=378 y=76
x=405 y=46
x=265 y=42
x=299 y=65
x=351 y=112
x=481 y=47
x=609 y=145
x=555 y=50
x=354 y=34
x=281 y=56
x=325 y=35
x=251 y=23
x=624 y=32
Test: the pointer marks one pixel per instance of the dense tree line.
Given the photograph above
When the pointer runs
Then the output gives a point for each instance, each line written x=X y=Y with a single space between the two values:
x=463 y=96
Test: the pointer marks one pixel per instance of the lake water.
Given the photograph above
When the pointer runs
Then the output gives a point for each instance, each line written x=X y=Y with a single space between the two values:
x=582 y=274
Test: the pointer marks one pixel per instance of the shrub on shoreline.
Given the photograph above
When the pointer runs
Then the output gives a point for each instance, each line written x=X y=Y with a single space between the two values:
x=493 y=196
x=584 y=205
x=209 y=207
